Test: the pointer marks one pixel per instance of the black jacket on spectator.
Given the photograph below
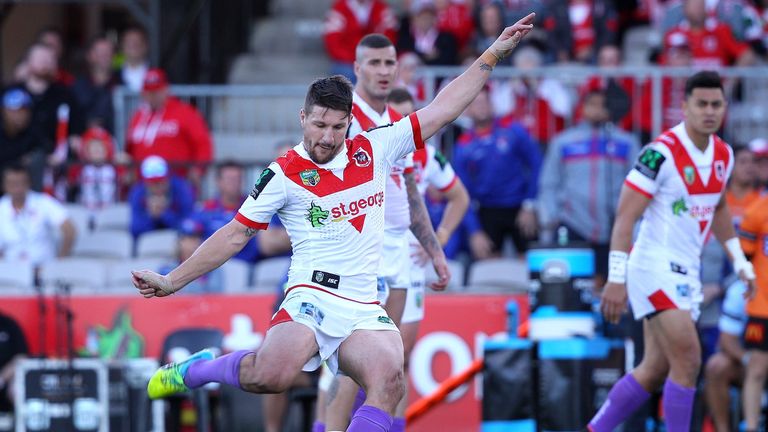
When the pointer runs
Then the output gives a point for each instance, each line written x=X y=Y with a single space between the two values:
x=12 y=148
x=447 y=48
x=96 y=102
x=44 y=113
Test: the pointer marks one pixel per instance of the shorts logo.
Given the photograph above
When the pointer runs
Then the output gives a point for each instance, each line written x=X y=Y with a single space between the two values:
x=679 y=207
x=261 y=183
x=326 y=279
x=649 y=163
x=381 y=285
x=315 y=215
x=677 y=268
x=755 y=332
x=361 y=157
x=689 y=174
x=720 y=170
x=310 y=177
x=385 y=320
x=684 y=290
x=311 y=311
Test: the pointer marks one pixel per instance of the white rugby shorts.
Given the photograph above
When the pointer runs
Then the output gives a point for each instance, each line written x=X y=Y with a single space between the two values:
x=395 y=264
x=332 y=319
x=414 y=300
x=667 y=286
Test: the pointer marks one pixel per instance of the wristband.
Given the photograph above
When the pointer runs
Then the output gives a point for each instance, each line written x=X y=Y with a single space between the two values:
x=740 y=262
x=617 y=267
x=489 y=58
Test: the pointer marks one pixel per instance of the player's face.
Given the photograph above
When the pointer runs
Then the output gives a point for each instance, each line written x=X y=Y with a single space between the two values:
x=324 y=132
x=704 y=110
x=375 y=69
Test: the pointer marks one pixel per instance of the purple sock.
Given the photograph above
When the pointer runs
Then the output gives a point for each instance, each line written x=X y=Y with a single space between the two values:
x=318 y=426
x=398 y=425
x=370 y=419
x=359 y=401
x=677 y=402
x=225 y=370
x=625 y=397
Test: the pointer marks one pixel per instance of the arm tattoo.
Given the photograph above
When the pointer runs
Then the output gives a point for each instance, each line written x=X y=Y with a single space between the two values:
x=250 y=232
x=421 y=226
x=485 y=66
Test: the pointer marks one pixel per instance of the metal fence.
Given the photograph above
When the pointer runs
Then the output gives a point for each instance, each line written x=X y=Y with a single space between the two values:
x=247 y=120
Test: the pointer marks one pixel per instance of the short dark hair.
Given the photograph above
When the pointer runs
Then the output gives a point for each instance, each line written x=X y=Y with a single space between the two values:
x=375 y=40
x=333 y=92
x=703 y=79
x=400 y=95
x=15 y=167
x=221 y=166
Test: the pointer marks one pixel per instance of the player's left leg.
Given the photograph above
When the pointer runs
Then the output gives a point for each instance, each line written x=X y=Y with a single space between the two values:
x=720 y=373
x=374 y=358
x=679 y=341
x=754 y=383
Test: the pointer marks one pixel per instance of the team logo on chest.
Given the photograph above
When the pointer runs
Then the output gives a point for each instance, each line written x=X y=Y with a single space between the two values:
x=689 y=174
x=720 y=171
x=362 y=158
x=310 y=177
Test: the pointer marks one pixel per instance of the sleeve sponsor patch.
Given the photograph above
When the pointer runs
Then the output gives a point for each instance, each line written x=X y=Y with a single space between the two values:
x=261 y=183
x=649 y=163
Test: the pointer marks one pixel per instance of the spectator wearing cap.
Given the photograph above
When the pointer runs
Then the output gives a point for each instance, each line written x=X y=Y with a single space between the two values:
x=135 y=51
x=160 y=200
x=167 y=127
x=711 y=42
x=420 y=33
x=219 y=210
x=347 y=22
x=93 y=90
x=17 y=138
x=96 y=178
x=190 y=238
x=31 y=222
x=759 y=147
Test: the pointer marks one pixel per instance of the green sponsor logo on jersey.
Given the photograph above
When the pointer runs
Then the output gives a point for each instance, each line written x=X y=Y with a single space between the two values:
x=310 y=177
x=679 y=207
x=316 y=215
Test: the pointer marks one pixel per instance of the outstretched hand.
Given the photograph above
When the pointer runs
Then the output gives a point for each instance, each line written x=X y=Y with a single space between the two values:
x=151 y=284
x=511 y=36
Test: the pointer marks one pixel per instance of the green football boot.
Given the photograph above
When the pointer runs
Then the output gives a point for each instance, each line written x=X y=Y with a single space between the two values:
x=169 y=379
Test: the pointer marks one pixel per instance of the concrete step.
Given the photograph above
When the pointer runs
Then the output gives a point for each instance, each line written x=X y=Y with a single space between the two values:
x=278 y=69
x=287 y=35
x=301 y=8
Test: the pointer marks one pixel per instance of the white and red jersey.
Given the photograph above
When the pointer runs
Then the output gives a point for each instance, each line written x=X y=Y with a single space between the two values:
x=685 y=186
x=397 y=219
x=334 y=212
x=431 y=168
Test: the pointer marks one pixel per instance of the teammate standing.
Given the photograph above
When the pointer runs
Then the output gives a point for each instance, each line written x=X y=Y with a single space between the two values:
x=328 y=192
x=677 y=187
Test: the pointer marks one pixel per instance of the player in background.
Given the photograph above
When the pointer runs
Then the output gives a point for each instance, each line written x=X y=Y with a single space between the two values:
x=376 y=69
x=753 y=232
x=677 y=186
x=326 y=191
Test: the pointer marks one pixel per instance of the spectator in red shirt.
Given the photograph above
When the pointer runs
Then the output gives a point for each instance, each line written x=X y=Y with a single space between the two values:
x=453 y=17
x=579 y=28
x=347 y=22
x=167 y=127
x=711 y=42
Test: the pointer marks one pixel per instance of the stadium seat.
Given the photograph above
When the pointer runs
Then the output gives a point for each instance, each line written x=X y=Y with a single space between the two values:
x=104 y=244
x=16 y=275
x=157 y=244
x=236 y=275
x=119 y=273
x=80 y=216
x=271 y=271
x=457 y=275
x=83 y=275
x=115 y=217
x=499 y=273
x=638 y=43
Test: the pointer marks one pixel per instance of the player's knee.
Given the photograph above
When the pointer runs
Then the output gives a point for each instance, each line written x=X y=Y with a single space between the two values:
x=261 y=380
x=717 y=367
x=391 y=387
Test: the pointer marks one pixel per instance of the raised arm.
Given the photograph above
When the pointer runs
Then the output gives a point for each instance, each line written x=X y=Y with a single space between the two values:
x=455 y=97
x=217 y=249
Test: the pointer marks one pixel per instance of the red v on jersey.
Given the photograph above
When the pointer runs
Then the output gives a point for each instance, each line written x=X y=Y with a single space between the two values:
x=366 y=123
x=358 y=170
x=688 y=171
